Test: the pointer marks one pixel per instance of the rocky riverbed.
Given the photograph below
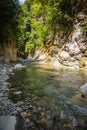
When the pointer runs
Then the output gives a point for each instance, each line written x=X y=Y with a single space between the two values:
x=24 y=110
x=35 y=115
x=6 y=106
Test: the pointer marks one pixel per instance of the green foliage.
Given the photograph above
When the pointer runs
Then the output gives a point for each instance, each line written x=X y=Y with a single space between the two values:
x=8 y=20
x=37 y=21
x=29 y=47
x=42 y=19
x=84 y=26
x=32 y=30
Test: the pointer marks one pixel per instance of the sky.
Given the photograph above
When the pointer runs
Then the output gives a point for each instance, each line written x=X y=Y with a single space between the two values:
x=21 y=2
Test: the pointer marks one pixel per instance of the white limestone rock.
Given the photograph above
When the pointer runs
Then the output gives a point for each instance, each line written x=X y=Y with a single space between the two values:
x=84 y=91
x=17 y=93
x=65 y=56
x=84 y=88
x=19 y=66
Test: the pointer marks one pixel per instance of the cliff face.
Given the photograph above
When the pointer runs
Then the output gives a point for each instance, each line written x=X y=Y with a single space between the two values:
x=8 y=52
x=72 y=51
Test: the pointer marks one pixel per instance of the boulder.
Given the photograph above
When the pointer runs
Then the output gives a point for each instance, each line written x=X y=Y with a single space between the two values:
x=19 y=66
x=84 y=90
x=65 y=55
x=42 y=57
x=55 y=62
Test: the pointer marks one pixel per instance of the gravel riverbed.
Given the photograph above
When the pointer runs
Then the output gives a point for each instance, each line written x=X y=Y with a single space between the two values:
x=6 y=106
x=34 y=115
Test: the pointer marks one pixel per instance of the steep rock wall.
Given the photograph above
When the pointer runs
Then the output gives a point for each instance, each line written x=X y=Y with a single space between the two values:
x=71 y=50
x=8 y=52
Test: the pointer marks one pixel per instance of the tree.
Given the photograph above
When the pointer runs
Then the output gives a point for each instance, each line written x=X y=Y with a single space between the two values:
x=42 y=19
x=8 y=20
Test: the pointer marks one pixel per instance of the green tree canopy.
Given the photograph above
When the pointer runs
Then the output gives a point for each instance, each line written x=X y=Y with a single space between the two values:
x=8 y=19
x=38 y=21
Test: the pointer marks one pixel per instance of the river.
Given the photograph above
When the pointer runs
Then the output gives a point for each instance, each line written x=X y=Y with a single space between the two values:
x=51 y=97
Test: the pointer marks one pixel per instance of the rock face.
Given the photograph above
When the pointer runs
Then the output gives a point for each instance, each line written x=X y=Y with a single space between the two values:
x=8 y=52
x=72 y=50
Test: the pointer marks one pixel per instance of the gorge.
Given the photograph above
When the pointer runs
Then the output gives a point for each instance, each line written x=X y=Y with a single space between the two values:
x=43 y=65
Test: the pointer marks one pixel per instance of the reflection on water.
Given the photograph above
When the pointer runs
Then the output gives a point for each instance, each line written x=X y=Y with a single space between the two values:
x=56 y=91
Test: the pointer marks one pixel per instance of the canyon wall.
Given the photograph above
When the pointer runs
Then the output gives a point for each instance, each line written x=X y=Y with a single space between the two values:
x=72 y=50
x=8 y=52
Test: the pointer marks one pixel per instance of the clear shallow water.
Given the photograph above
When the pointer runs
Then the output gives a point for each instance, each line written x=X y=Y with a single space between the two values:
x=54 y=92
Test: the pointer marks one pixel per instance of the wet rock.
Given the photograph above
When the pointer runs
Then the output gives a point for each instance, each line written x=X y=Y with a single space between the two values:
x=84 y=91
x=56 y=118
x=39 y=108
x=44 y=122
x=62 y=116
x=17 y=93
x=7 y=107
x=19 y=109
x=36 y=116
x=27 y=121
x=27 y=115
x=19 y=66
x=14 y=113
x=25 y=108
x=67 y=126
x=23 y=114
x=20 y=103
x=30 y=107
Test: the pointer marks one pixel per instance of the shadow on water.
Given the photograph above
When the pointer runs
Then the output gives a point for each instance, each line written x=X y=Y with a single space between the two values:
x=53 y=93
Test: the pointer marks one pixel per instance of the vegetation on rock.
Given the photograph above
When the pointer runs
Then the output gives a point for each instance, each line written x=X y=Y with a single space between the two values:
x=34 y=24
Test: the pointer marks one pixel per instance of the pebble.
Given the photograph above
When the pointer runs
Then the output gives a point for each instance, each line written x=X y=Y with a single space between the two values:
x=17 y=93
x=56 y=118
x=19 y=109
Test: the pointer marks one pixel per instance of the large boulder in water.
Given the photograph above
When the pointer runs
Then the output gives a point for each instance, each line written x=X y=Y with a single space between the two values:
x=84 y=90
x=19 y=66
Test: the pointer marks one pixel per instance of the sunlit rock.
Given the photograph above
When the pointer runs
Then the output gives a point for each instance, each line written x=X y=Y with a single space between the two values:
x=17 y=93
x=42 y=57
x=37 y=54
x=81 y=16
x=19 y=66
x=71 y=48
x=55 y=62
x=83 y=62
x=65 y=55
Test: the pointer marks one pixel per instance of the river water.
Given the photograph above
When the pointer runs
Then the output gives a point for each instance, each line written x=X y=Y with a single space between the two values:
x=54 y=95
